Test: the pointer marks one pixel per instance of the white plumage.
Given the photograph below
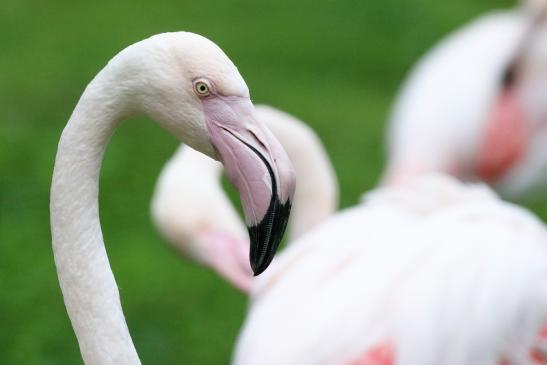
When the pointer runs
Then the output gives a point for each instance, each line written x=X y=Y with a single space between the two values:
x=445 y=273
x=427 y=270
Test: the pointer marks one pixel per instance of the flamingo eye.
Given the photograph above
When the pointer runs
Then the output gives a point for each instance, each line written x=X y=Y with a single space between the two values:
x=201 y=88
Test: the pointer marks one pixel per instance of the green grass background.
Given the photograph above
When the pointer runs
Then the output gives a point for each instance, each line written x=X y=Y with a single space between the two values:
x=336 y=64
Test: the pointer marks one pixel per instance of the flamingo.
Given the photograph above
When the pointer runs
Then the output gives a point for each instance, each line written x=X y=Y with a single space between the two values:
x=475 y=106
x=189 y=86
x=194 y=214
x=431 y=272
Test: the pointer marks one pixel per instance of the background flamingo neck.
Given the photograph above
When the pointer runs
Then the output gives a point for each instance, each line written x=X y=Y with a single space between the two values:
x=89 y=289
x=316 y=196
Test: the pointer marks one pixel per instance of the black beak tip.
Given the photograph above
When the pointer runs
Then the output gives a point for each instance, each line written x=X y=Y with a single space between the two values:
x=259 y=268
x=267 y=235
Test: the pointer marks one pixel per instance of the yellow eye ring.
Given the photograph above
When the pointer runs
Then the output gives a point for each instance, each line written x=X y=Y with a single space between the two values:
x=201 y=88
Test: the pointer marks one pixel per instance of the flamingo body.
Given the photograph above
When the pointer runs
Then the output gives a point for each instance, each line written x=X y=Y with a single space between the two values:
x=443 y=272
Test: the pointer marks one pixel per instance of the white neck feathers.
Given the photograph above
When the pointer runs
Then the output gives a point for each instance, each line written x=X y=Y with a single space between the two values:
x=89 y=289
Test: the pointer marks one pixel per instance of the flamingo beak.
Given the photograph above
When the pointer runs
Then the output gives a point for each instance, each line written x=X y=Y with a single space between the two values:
x=258 y=167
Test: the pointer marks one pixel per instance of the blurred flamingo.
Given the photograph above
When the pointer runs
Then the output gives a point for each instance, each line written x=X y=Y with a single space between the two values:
x=193 y=213
x=475 y=106
x=426 y=273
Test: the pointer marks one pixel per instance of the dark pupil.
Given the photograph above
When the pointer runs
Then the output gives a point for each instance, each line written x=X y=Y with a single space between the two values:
x=202 y=88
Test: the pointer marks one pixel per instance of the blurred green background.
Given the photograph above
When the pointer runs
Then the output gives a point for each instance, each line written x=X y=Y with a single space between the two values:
x=336 y=64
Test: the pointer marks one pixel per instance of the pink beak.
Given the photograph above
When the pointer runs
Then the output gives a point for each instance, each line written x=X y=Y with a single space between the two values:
x=258 y=167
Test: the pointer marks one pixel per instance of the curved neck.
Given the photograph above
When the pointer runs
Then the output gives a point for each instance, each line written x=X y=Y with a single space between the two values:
x=316 y=196
x=89 y=289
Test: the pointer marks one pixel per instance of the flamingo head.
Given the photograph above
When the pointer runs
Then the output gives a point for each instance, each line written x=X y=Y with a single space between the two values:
x=187 y=84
